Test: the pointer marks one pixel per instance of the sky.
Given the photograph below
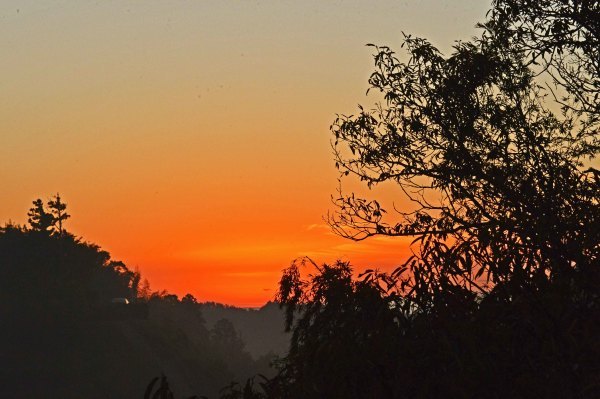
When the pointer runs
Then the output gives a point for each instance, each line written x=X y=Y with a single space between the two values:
x=190 y=139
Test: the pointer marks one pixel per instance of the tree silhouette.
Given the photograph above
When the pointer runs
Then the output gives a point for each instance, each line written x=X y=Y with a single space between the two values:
x=58 y=212
x=50 y=220
x=502 y=200
x=224 y=335
x=500 y=296
x=56 y=275
x=39 y=219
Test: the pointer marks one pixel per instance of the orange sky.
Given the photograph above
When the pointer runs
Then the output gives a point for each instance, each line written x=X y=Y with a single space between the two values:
x=190 y=138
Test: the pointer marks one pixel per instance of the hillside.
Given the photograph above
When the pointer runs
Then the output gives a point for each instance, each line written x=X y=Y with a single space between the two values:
x=262 y=330
x=117 y=358
x=76 y=324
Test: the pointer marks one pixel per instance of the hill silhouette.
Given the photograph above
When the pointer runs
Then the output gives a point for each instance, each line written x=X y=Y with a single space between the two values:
x=80 y=324
x=261 y=329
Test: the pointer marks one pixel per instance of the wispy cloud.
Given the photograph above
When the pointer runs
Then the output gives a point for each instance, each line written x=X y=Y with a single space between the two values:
x=250 y=274
x=318 y=226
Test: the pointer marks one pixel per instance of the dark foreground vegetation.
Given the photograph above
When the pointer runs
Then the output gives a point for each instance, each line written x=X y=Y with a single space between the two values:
x=495 y=146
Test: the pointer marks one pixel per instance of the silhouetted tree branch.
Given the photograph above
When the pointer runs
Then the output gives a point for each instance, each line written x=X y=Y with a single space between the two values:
x=496 y=177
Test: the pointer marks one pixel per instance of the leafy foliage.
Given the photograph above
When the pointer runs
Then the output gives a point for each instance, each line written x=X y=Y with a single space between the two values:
x=357 y=338
x=501 y=295
x=342 y=330
x=496 y=177
x=563 y=37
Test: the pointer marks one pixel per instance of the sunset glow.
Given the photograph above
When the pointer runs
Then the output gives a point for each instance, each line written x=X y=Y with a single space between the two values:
x=190 y=139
